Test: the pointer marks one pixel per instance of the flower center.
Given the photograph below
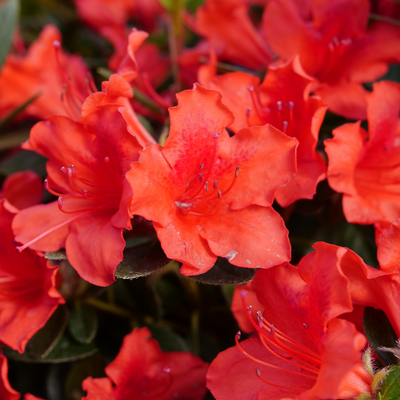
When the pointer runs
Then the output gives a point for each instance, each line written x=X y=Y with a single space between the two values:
x=306 y=362
x=199 y=194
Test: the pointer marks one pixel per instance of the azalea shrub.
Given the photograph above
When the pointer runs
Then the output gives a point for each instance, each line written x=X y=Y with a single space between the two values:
x=200 y=199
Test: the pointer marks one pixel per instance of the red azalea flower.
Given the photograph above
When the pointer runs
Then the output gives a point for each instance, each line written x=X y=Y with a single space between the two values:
x=365 y=166
x=304 y=350
x=388 y=244
x=38 y=72
x=227 y=26
x=142 y=370
x=335 y=46
x=110 y=19
x=6 y=391
x=86 y=168
x=22 y=189
x=209 y=194
x=28 y=296
x=282 y=100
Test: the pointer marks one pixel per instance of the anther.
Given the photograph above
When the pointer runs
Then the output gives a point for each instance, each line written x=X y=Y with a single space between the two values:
x=107 y=159
x=260 y=319
x=56 y=44
x=250 y=87
x=279 y=105
x=285 y=125
x=238 y=335
x=216 y=135
x=258 y=372
x=249 y=309
x=237 y=171
x=291 y=105
x=63 y=169
x=305 y=326
x=219 y=194
x=243 y=293
x=85 y=192
x=206 y=186
x=215 y=183
x=200 y=177
x=167 y=370
x=201 y=166
x=72 y=169
x=60 y=201
x=248 y=111
x=46 y=184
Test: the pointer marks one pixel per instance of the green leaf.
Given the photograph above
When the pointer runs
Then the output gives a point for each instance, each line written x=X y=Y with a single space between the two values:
x=380 y=333
x=83 y=324
x=167 y=339
x=224 y=273
x=9 y=12
x=141 y=260
x=15 y=112
x=44 y=341
x=56 y=255
x=390 y=388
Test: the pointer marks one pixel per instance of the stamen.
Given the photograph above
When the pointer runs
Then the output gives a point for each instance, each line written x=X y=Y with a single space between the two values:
x=201 y=166
x=258 y=372
x=279 y=105
x=200 y=177
x=249 y=309
x=233 y=182
x=60 y=203
x=22 y=248
x=215 y=183
x=285 y=125
x=256 y=102
x=57 y=46
x=63 y=169
x=107 y=159
x=267 y=364
x=260 y=319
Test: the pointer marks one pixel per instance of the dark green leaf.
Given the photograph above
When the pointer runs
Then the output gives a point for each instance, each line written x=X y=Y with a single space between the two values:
x=15 y=112
x=9 y=12
x=68 y=349
x=167 y=339
x=141 y=260
x=83 y=324
x=224 y=273
x=13 y=139
x=44 y=341
x=92 y=366
x=56 y=255
x=390 y=388
x=380 y=333
x=22 y=161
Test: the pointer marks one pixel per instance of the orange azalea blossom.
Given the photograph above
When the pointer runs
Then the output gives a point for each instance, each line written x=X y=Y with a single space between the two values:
x=282 y=100
x=231 y=34
x=209 y=194
x=6 y=391
x=335 y=46
x=110 y=19
x=305 y=349
x=142 y=371
x=28 y=296
x=86 y=168
x=40 y=72
x=365 y=166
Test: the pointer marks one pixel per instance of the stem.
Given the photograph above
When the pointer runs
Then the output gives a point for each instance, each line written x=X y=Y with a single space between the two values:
x=110 y=308
x=175 y=38
x=382 y=18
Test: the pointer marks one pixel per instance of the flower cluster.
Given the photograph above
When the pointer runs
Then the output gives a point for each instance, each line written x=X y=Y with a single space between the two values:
x=232 y=142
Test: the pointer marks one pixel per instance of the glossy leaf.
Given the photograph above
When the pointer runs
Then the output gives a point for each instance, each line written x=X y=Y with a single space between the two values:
x=83 y=324
x=141 y=260
x=380 y=333
x=167 y=339
x=390 y=388
x=224 y=273
x=9 y=12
